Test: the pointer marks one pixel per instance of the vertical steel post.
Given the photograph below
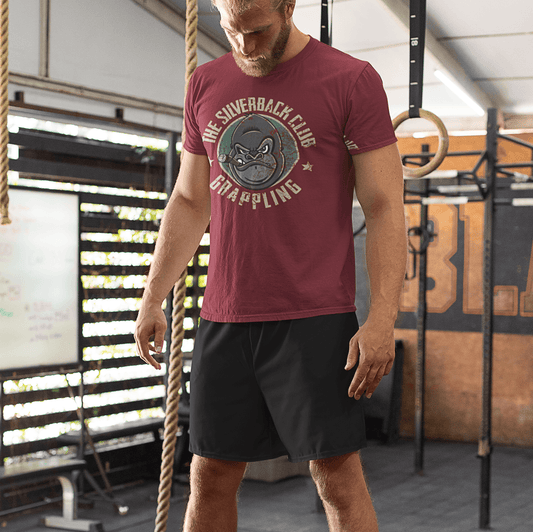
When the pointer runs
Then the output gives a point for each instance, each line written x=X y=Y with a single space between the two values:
x=81 y=394
x=1 y=425
x=421 y=322
x=171 y=163
x=196 y=293
x=485 y=439
x=82 y=294
x=82 y=443
x=2 y=498
x=324 y=28
x=44 y=39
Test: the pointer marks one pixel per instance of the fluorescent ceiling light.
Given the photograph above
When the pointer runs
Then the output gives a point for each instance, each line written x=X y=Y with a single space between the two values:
x=456 y=89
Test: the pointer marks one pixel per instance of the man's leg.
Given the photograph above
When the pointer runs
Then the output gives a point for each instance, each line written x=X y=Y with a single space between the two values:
x=342 y=487
x=213 y=500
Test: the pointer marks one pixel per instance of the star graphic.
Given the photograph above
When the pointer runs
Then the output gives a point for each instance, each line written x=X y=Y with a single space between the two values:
x=308 y=166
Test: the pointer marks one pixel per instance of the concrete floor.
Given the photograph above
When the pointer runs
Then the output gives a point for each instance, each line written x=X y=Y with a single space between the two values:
x=444 y=499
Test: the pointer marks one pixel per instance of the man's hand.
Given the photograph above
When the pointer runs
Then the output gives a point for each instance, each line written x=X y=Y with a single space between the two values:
x=183 y=224
x=373 y=346
x=151 y=321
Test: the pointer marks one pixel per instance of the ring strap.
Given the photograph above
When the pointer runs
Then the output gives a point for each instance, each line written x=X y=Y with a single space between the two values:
x=417 y=33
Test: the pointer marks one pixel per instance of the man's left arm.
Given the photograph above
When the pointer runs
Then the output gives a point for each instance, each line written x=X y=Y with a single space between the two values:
x=379 y=189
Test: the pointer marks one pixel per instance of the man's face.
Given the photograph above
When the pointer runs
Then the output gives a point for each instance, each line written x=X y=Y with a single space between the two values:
x=258 y=36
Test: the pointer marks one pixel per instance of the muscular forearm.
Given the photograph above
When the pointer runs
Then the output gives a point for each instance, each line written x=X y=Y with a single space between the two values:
x=373 y=345
x=379 y=188
x=386 y=254
x=184 y=222
x=182 y=228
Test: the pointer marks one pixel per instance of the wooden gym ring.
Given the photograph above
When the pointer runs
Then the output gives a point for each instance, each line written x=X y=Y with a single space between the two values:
x=442 y=150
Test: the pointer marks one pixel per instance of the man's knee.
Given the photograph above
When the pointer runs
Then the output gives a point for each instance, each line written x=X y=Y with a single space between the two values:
x=217 y=477
x=338 y=479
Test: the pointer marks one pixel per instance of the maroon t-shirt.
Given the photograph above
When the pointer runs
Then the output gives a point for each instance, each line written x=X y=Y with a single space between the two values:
x=280 y=149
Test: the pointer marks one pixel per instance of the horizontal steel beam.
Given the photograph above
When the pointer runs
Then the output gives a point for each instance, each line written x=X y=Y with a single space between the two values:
x=80 y=173
x=19 y=108
x=72 y=89
x=127 y=201
x=175 y=20
x=81 y=147
x=107 y=224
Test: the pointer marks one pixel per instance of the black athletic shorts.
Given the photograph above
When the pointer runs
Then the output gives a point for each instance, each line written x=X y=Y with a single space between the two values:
x=266 y=389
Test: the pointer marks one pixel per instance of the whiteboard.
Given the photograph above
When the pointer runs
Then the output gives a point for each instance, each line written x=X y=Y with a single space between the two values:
x=39 y=280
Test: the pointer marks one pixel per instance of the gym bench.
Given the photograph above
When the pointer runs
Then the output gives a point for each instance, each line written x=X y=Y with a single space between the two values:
x=66 y=471
x=129 y=428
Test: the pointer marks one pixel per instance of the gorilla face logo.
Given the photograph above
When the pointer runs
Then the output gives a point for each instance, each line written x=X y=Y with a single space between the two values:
x=256 y=159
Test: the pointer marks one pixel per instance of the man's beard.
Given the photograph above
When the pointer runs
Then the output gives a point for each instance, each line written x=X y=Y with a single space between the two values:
x=262 y=65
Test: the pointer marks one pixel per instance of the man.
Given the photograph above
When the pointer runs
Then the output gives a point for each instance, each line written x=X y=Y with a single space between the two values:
x=277 y=135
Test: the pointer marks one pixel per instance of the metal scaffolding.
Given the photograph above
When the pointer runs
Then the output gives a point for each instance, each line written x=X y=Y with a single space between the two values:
x=468 y=186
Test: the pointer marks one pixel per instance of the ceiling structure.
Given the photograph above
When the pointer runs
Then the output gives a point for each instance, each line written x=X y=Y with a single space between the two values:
x=482 y=46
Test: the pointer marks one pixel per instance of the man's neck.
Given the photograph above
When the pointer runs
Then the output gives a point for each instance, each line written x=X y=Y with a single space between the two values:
x=296 y=43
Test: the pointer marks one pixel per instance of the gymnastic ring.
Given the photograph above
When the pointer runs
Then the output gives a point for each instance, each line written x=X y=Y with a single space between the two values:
x=442 y=150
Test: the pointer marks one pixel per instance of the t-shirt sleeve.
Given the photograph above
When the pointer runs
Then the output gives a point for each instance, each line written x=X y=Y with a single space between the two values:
x=193 y=137
x=369 y=125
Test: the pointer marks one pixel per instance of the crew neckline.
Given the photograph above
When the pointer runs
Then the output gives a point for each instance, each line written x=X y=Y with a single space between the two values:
x=301 y=55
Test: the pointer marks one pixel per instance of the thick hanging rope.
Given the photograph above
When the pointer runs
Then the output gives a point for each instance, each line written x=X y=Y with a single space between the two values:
x=171 y=412
x=4 y=107
x=178 y=314
x=191 y=52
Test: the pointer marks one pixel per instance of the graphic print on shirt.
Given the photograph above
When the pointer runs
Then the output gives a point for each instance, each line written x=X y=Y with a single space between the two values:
x=257 y=151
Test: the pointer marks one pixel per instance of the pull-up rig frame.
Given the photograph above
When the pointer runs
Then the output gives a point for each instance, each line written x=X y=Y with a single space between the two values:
x=469 y=187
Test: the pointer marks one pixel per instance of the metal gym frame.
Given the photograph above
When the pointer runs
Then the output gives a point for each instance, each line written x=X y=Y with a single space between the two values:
x=469 y=187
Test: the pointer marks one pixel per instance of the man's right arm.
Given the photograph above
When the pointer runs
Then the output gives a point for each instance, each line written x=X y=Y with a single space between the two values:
x=184 y=222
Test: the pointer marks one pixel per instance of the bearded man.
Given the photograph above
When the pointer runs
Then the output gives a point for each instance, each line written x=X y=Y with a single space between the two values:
x=279 y=134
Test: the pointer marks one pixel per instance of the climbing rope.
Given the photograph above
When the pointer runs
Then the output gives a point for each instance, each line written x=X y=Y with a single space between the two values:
x=4 y=106
x=172 y=403
x=178 y=314
x=191 y=51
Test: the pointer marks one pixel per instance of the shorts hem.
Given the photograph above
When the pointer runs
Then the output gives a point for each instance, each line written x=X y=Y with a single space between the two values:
x=327 y=454
x=292 y=459
x=218 y=456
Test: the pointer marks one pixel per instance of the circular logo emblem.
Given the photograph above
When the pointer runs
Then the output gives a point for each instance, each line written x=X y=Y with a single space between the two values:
x=257 y=151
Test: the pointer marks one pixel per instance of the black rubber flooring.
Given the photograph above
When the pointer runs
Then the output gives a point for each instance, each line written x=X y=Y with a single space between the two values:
x=444 y=499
